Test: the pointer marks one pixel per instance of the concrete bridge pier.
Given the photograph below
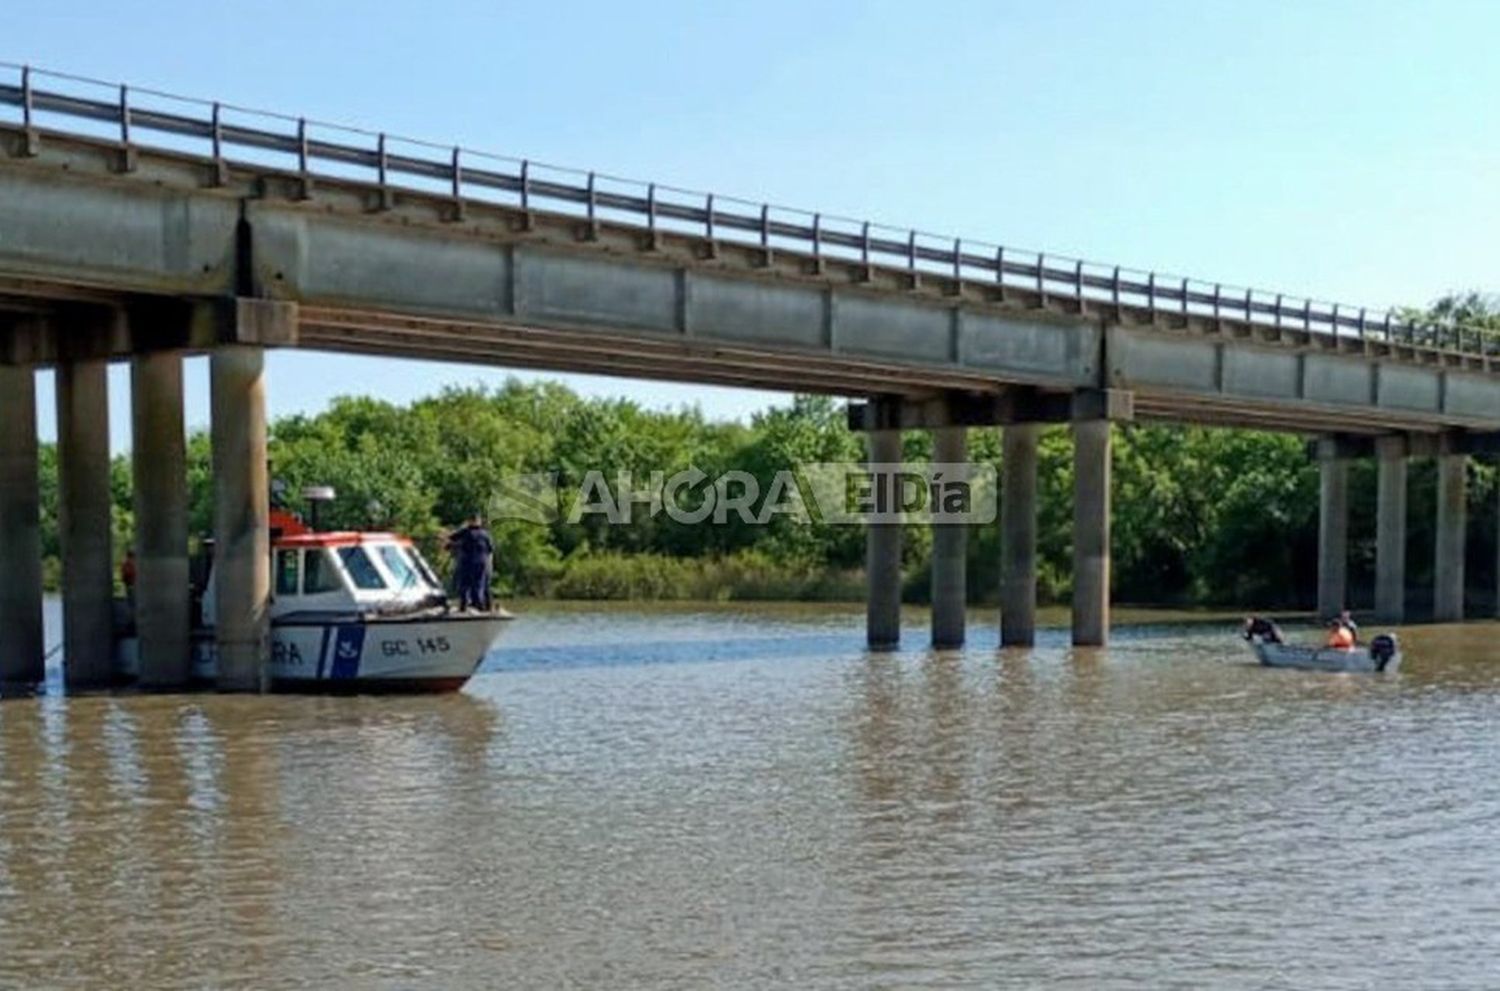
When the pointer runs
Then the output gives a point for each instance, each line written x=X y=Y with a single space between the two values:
x=950 y=445
x=1018 y=534
x=1093 y=410
x=1390 y=529
x=1091 y=519
x=85 y=521
x=1333 y=528
x=1452 y=522
x=883 y=540
x=21 y=643
x=242 y=551
x=1021 y=411
x=159 y=467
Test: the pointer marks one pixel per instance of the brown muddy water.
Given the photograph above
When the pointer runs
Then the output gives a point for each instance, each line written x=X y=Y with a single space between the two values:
x=742 y=798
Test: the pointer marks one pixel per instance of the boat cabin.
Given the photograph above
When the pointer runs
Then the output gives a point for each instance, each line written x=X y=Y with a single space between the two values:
x=343 y=572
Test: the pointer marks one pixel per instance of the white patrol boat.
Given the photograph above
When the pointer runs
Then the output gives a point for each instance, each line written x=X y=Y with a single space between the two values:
x=352 y=612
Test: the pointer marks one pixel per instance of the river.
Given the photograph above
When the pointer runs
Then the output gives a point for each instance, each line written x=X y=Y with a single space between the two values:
x=741 y=798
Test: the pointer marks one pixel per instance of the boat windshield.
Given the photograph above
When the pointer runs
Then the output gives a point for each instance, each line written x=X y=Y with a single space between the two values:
x=400 y=568
x=361 y=569
x=319 y=573
x=425 y=569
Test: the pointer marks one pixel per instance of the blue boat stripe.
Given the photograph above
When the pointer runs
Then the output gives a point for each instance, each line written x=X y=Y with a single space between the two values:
x=323 y=651
x=347 y=648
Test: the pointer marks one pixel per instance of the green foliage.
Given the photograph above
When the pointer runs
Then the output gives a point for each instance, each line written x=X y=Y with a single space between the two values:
x=748 y=575
x=1200 y=516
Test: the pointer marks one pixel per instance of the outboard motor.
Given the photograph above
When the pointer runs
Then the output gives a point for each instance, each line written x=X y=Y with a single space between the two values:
x=1382 y=649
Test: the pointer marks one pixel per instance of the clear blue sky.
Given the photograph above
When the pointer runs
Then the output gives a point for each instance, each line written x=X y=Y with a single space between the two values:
x=1347 y=150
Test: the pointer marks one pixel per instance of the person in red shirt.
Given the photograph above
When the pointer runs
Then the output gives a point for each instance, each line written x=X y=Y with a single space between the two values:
x=127 y=574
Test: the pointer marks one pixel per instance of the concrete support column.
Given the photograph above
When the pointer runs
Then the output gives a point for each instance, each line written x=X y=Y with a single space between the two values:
x=159 y=464
x=242 y=551
x=1018 y=535
x=950 y=445
x=1333 y=536
x=883 y=553
x=84 y=522
x=1448 y=568
x=21 y=644
x=1390 y=530
x=1091 y=509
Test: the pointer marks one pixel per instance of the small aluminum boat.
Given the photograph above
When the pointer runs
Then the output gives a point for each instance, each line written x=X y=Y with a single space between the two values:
x=1381 y=654
x=1307 y=658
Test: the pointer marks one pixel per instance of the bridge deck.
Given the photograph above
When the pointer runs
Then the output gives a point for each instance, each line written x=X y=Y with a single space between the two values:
x=462 y=264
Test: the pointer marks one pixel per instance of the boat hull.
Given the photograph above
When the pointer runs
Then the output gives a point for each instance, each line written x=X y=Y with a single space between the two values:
x=350 y=654
x=1358 y=660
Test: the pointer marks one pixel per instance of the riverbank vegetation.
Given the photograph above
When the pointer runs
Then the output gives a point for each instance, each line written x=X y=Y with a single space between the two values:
x=1201 y=517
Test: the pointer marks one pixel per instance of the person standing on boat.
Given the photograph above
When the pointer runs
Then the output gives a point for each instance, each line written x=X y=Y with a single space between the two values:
x=474 y=554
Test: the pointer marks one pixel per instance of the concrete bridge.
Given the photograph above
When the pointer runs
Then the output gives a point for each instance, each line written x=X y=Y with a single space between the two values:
x=141 y=228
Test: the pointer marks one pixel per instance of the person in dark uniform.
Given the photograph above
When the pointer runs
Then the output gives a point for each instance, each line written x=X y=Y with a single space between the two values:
x=473 y=552
x=1263 y=630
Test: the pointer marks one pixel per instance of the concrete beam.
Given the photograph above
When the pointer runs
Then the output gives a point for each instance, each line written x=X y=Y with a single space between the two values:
x=1390 y=530
x=21 y=643
x=1333 y=536
x=1091 y=530
x=1414 y=445
x=85 y=523
x=1452 y=523
x=1018 y=534
x=949 y=552
x=159 y=466
x=951 y=409
x=883 y=557
x=265 y=323
x=1344 y=446
x=1013 y=404
x=242 y=552
x=1102 y=404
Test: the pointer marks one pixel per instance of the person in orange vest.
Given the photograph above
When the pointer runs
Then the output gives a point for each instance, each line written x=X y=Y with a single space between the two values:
x=1340 y=637
x=1347 y=622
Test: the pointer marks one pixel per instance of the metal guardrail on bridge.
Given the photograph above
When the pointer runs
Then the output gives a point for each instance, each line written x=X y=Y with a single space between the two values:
x=220 y=132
